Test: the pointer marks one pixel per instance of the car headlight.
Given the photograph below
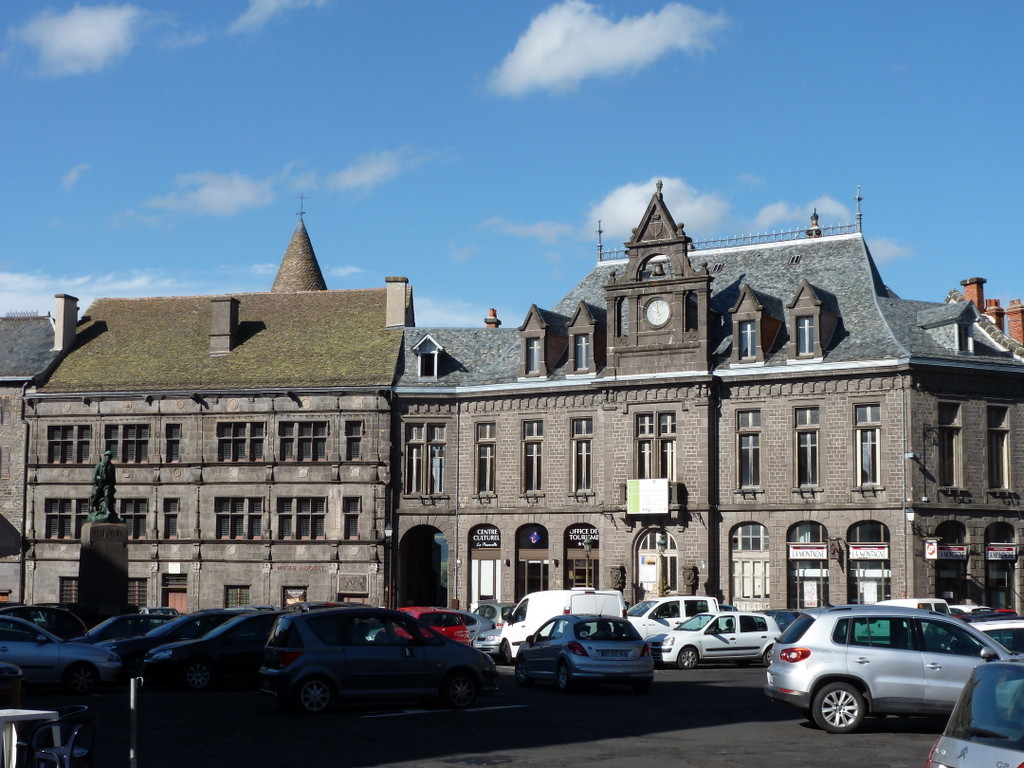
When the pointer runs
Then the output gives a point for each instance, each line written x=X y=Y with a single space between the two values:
x=113 y=658
x=158 y=656
x=668 y=642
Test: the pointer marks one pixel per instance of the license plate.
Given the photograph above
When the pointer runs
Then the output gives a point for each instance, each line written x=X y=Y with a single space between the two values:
x=615 y=654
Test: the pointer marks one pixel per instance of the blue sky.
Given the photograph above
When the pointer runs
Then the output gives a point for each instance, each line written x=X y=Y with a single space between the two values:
x=160 y=148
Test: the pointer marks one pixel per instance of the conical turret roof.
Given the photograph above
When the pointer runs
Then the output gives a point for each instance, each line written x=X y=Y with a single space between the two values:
x=299 y=269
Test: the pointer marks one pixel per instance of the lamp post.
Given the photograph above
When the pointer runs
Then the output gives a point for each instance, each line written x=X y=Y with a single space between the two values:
x=587 y=544
x=662 y=541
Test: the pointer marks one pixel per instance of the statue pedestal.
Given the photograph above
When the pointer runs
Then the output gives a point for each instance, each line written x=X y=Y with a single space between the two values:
x=103 y=571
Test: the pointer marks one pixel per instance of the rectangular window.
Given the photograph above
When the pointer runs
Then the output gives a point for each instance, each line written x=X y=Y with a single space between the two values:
x=240 y=440
x=5 y=463
x=583 y=454
x=867 y=420
x=67 y=589
x=350 y=507
x=486 y=449
x=303 y=440
x=59 y=518
x=581 y=351
x=805 y=335
x=748 y=339
x=749 y=425
x=656 y=446
x=137 y=592
x=236 y=596
x=998 y=446
x=128 y=442
x=68 y=444
x=133 y=513
x=301 y=518
x=353 y=440
x=533 y=455
x=949 y=445
x=532 y=356
x=425 y=458
x=170 y=521
x=807 y=423
x=172 y=443
x=239 y=518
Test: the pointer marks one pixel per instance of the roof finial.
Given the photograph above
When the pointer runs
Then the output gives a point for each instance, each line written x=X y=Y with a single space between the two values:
x=658 y=185
x=860 y=216
x=302 y=205
x=600 y=246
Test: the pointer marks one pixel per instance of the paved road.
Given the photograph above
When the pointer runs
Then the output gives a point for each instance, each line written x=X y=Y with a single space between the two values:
x=714 y=717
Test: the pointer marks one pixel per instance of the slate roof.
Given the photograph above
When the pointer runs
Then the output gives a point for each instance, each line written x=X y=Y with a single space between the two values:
x=26 y=346
x=307 y=339
x=473 y=357
x=299 y=270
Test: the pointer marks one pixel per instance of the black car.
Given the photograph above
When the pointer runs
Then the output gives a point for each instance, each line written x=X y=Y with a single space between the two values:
x=232 y=651
x=124 y=626
x=57 y=621
x=187 y=627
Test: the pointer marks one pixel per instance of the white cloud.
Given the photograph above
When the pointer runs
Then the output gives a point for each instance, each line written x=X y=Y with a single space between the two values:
x=572 y=41
x=883 y=250
x=85 y=39
x=446 y=313
x=830 y=211
x=35 y=292
x=371 y=170
x=545 y=231
x=71 y=177
x=346 y=271
x=622 y=208
x=205 y=193
x=460 y=254
x=260 y=12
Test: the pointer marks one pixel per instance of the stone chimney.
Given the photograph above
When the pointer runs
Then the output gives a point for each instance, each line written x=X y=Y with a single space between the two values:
x=995 y=313
x=1015 y=320
x=492 y=321
x=223 y=325
x=66 y=322
x=396 y=313
x=974 y=290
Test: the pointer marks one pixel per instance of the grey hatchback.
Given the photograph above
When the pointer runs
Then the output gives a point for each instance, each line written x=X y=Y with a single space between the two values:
x=316 y=659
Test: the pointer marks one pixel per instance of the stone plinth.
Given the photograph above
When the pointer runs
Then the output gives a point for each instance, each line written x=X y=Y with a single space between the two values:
x=103 y=570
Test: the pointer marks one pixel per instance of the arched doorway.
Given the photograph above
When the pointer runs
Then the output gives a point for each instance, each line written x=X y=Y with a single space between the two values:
x=484 y=563
x=1000 y=559
x=533 y=559
x=657 y=559
x=582 y=556
x=951 y=568
x=423 y=568
x=808 y=565
x=870 y=578
x=751 y=585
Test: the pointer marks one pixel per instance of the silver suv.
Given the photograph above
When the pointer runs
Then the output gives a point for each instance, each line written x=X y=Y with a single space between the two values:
x=839 y=664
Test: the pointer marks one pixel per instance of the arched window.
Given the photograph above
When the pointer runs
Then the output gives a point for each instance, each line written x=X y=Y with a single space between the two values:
x=808 y=563
x=951 y=567
x=1000 y=565
x=657 y=564
x=751 y=589
x=870 y=578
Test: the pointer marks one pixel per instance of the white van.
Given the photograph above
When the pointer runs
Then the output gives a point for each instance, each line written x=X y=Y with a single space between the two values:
x=660 y=614
x=537 y=607
x=924 y=603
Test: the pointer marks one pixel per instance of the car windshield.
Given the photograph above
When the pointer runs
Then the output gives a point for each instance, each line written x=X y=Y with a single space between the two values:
x=991 y=708
x=641 y=608
x=605 y=629
x=695 y=622
x=796 y=630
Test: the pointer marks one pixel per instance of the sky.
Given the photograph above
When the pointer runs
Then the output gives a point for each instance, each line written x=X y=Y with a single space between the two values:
x=155 y=147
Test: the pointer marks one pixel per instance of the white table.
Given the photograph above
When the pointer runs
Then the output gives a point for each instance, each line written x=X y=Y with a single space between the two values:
x=9 y=731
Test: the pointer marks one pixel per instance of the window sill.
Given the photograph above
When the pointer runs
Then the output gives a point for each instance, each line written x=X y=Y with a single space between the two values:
x=484 y=498
x=1001 y=493
x=751 y=492
x=807 y=490
x=581 y=496
x=865 y=490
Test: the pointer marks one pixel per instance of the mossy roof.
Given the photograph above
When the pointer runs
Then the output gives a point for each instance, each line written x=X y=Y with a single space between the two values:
x=306 y=339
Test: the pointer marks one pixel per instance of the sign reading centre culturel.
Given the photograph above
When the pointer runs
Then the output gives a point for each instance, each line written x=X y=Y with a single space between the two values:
x=647 y=497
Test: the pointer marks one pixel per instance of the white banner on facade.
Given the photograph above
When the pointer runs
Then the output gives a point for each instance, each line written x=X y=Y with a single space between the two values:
x=647 y=497
x=869 y=551
x=1001 y=552
x=952 y=551
x=648 y=569
x=808 y=552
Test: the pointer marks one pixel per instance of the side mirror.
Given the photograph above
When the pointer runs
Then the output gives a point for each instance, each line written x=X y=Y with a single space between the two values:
x=988 y=654
x=42 y=639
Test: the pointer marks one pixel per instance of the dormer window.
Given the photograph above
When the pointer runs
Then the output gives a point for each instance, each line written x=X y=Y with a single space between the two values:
x=533 y=358
x=581 y=344
x=964 y=339
x=754 y=327
x=811 y=325
x=805 y=336
x=428 y=358
x=747 y=332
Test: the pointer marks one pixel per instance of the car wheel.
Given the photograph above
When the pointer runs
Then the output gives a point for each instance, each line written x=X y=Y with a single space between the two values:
x=687 y=658
x=313 y=695
x=458 y=690
x=838 y=708
x=505 y=653
x=197 y=675
x=766 y=657
x=564 y=677
x=522 y=677
x=81 y=678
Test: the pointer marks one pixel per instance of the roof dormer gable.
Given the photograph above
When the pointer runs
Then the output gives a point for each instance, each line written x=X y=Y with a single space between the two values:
x=429 y=354
x=810 y=324
x=754 y=326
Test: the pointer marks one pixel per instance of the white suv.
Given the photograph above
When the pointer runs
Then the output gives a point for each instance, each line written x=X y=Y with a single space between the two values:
x=728 y=636
x=838 y=664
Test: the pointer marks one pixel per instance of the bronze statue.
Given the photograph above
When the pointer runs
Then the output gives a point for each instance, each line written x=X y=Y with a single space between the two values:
x=101 y=502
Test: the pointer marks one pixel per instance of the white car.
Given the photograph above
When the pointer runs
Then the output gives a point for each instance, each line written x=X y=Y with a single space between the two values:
x=1008 y=632
x=727 y=636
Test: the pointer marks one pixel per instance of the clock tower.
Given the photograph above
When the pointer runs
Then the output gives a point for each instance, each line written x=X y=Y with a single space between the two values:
x=658 y=306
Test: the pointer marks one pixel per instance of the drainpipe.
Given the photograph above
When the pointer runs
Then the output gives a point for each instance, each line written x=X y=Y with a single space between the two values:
x=24 y=497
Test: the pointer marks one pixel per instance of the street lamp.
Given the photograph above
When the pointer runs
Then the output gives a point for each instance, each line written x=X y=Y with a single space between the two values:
x=662 y=542
x=587 y=544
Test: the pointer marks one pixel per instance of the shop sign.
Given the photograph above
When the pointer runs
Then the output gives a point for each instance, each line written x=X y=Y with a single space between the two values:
x=952 y=551
x=869 y=551
x=931 y=549
x=647 y=497
x=808 y=552
x=485 y=537
x=1001 y=552
x=580 y=533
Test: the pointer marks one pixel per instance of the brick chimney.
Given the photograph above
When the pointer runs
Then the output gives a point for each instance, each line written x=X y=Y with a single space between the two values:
x=996 y=313
x=65 y=323
x=492 y=321
x=396 y=313
x=1015 y=320
x=223 y=325
x=974 y=290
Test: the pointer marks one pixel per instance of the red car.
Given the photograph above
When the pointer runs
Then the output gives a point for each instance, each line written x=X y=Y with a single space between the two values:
x=448 y=623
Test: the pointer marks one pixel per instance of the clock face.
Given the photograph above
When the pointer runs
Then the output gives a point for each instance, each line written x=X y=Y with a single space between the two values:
x=657 y=312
